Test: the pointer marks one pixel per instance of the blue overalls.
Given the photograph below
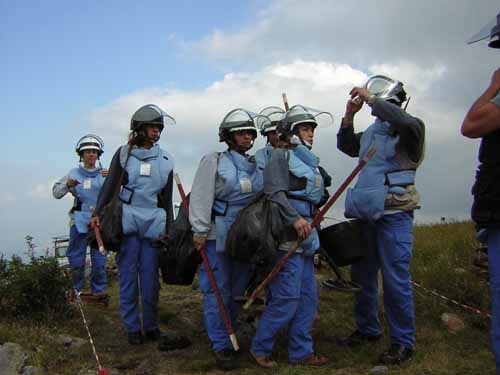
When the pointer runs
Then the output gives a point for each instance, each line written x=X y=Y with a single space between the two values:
x=242 y=182
x=292 y=296
x=389 y=238
x=143 y=222
x=86 y=192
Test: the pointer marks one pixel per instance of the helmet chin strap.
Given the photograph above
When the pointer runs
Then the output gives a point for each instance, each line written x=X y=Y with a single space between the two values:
x=296 y=140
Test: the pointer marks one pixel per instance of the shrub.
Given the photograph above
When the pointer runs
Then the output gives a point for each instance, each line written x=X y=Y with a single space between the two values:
x=37 y=290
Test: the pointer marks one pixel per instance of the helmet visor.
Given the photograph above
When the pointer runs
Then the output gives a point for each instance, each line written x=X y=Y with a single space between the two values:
x=268 y=119
x=241 y=119
x=300 y=114
x=383 y=87
x=485 y=32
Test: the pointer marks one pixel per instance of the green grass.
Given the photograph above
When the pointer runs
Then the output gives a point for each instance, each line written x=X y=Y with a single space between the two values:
x=441 y=254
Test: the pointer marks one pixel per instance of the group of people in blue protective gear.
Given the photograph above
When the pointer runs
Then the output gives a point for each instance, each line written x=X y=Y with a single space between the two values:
x=483 y=121
x=287 y=172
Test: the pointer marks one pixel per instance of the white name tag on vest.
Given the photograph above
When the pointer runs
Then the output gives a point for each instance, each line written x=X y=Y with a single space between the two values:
x=246 y=185
x=318 y=181
x=145 y=169
x=87 y=184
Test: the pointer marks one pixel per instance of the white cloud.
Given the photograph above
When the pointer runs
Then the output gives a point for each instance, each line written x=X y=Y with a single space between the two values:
x=43 y=190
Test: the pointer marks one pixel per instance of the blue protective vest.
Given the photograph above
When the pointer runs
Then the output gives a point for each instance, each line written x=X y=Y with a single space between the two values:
x=86 y=192
x=242 y=181
x=304 y=164
x=262 y=156
x=148 y=172
x=382 y=174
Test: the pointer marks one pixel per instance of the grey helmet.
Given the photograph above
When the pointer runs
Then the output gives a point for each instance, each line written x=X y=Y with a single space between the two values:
x=236 y=120
x=386 y=88
x=491 y=30
x=268 y=124
x=150 y=114
x=89 y=142
x=300 y=114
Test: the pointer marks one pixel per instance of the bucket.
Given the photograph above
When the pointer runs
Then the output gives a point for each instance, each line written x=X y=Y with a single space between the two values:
x=343 y=242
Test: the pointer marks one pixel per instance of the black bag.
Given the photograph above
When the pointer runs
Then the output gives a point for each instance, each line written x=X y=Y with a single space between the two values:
x=254 y=237
x=111 y=219
x=178 y=259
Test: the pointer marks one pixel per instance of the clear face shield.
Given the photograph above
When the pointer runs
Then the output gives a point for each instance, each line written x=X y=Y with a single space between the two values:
x=490 y=31
x=241 y=119
x=268 y=119
x=384 y=88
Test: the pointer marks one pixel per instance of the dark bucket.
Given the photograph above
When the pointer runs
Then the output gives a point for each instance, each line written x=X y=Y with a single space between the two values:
x=343 y=242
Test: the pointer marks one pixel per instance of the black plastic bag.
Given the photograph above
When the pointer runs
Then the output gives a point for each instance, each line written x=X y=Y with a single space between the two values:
x=255 y=236
x=179 y=260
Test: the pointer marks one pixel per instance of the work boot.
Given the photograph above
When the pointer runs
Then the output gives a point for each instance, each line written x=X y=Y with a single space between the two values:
x=153 y=334
x=263 y=361
x=226 y=360
x=357 y=338
x=396 y=355
x=135 y=338
x=312 y=360
x=169 y=341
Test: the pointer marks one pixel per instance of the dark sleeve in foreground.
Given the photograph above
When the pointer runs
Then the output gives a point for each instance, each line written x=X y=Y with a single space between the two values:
x=411 y=130
x=110 y=183
x=166 y=203
x=276 y=183
x=349 y=142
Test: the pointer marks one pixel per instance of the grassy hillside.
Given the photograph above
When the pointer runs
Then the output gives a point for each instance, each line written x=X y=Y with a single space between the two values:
x=442 y=260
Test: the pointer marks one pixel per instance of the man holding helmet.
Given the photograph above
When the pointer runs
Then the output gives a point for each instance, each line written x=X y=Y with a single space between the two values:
x=223 y=184
x=384 y=198
x=84 y=183
x=483 y=121
x=147 y=216
x=292 y=179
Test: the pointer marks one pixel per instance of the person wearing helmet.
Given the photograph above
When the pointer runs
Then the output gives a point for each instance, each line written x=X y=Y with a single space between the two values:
x=293 y=181
x=268 y=130
x=383 y=199
x=84 y=183
x=147 y=216
x=483 y=121
x=223 y=184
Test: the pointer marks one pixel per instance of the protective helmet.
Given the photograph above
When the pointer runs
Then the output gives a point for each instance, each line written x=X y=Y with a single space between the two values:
x=300 y=114
x=89 y=142
x=386 y=88
x=236 y=120
x=150 y=114
x=273 y=116
x=491 y=31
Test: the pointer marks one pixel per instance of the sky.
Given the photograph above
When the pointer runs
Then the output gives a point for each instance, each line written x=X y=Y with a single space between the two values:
x=72 y=68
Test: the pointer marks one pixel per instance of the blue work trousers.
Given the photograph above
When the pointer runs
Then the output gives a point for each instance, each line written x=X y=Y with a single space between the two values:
x=389 y=249
x=494 y=270
x=292 y=301
x=77 y=254
x=138 y=275
x=232 y=279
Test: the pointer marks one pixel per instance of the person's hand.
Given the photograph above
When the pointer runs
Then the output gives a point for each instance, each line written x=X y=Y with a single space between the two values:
x=303 y=228
x=71 y=183
x=361 y=92
x=495 y=80
x=94 y=221
x=352 y=107
x=104 y=172
x=199 y=241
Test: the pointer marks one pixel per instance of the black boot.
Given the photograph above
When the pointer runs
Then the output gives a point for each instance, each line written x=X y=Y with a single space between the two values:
x=169 y=341
x=135 y=338
x=396 y=355
x=153 y=335
x=357 y=338
x=226 y=359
